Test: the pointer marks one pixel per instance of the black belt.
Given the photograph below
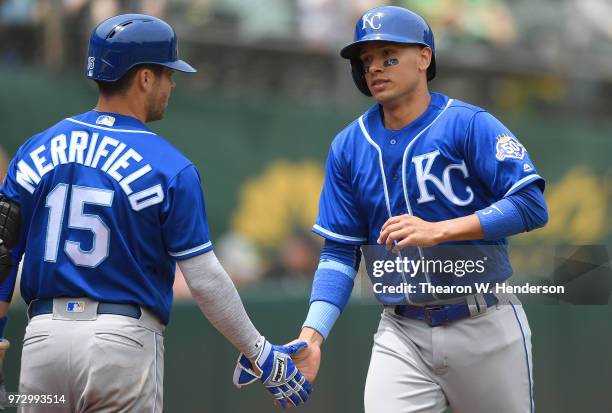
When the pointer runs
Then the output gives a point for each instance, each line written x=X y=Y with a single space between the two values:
x=436 y=315
x=45 y=306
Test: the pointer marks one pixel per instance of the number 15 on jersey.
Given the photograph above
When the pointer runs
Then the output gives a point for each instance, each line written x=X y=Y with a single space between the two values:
x=77 y=219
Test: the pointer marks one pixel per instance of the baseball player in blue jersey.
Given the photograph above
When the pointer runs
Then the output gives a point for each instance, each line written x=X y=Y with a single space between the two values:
x=103 y=209
x=417 y=170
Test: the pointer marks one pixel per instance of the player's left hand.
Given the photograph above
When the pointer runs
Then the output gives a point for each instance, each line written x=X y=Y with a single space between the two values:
x=407 y=230
x=277 y=372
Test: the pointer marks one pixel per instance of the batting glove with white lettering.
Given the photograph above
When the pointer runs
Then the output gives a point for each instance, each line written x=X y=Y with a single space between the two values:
x=277 y=373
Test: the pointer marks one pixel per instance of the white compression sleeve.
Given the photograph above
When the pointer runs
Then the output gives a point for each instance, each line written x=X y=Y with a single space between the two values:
x=216 y=295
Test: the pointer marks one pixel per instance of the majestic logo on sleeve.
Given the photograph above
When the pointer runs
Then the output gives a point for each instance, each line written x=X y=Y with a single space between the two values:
x=508 y=147
x=423 y=174
x=372 y=20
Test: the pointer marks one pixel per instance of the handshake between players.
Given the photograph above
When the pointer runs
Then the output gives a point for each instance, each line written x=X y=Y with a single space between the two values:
x=274 y=367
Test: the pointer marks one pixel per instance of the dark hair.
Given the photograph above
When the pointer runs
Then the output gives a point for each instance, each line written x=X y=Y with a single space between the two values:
x=120 y=86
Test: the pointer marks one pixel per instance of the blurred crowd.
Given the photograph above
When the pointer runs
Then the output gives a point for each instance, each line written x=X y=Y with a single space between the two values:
x=562 y=49
x=548 y=26
x=289 y=267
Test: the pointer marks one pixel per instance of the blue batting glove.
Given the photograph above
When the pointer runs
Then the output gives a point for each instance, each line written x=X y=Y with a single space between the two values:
x=277 y=373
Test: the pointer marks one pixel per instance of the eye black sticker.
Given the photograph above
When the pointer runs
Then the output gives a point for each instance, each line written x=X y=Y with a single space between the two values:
x=390 y=62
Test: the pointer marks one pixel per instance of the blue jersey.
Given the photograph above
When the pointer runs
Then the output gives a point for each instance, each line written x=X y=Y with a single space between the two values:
x=452 y=161
x=108 y=207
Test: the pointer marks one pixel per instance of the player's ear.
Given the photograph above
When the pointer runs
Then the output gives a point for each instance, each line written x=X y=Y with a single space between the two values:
x=424 y=58
x=145 y=79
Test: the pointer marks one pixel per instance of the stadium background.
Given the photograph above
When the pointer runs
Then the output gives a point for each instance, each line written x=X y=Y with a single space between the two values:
x=257 y=120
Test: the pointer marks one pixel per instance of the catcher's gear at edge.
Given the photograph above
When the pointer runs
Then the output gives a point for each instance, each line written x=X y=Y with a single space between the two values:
x=277 y=373
x=10 y=223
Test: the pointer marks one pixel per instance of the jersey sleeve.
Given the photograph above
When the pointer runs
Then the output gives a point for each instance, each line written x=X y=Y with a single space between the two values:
x=339 y=219
x=184 y=223
x=498 y=158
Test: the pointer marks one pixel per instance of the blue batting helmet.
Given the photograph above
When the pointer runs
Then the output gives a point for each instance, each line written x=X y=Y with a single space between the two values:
x=122 y=42
x=390 y=24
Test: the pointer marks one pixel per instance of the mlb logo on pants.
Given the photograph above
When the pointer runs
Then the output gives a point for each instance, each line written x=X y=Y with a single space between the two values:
x=75 y=306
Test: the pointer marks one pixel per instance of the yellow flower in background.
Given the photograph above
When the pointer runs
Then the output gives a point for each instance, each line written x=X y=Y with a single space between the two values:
x=578 y=207
x=284 y=197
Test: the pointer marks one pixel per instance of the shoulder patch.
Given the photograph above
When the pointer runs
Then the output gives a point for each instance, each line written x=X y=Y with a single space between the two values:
x=508 y=147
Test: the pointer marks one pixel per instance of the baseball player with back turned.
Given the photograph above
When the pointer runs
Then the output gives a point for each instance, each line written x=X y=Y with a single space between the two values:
x=103 y=209
x=417 y=170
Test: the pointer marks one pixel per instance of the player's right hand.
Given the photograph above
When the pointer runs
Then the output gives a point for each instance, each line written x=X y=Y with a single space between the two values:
x=308 y=360
x=276 y=371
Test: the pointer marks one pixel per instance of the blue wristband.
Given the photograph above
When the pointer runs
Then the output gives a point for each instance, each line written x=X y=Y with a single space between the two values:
x=331 y=290
x=322 y=316
x=333 y=282
x=500 y=220
x=332 y=285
